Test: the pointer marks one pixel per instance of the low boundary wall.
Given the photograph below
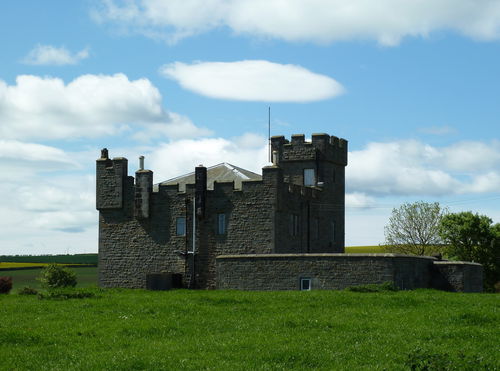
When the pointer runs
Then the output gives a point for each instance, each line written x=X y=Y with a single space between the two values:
x=338 y=271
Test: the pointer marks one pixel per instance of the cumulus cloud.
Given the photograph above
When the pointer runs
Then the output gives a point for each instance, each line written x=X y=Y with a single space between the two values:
x=46 y=194
x=16 y=154
x=359 y=200
x=253 y=80
x=414 y=168
x=88 y=106
x=248 y=151
x=321 y=21
x=51 y=55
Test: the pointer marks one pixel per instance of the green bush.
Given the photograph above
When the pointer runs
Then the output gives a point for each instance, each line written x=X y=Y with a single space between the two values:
x=27 y=291
x=386 y=286
x=5 y=285
x=55 y=276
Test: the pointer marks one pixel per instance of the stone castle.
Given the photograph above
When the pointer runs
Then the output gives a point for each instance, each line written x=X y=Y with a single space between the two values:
x=226 y=227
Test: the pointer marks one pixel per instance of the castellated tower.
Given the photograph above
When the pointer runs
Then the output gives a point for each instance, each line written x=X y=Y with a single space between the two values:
x=316 y=170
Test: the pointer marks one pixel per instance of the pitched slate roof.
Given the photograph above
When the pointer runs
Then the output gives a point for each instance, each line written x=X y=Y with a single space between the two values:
x=223 y=172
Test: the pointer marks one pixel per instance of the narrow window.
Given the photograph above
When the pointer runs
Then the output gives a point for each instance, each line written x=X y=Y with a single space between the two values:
x=294 y=224
x=221 y=223
x=309 y=177
x=333 y=231
x=180 y=226
x=315 y=228
x=305 y=284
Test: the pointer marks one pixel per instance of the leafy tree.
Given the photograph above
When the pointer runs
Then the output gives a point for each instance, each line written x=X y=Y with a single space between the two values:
x=414 y=229
x=56 y=276
x=472 y=237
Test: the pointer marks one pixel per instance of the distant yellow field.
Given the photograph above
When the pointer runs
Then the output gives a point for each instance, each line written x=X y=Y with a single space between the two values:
x=21 y=265
x=364 y=249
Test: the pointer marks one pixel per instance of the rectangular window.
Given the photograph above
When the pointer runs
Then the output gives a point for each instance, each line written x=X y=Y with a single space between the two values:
x=180 y=226
x=309 y=177
x=333 y=231
x=294 y=224
x=221 y=223
x=315 y=228
x=305 y=284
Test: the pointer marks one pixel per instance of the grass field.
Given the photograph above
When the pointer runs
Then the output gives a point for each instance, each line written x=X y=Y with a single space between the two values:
x=61 y=259
x=86 y=276
x=364 y=249
x=229 y=330
x=7 y=265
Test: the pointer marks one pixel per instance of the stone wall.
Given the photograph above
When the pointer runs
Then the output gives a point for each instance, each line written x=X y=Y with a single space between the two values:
x=458 y=276
x=338 y=271
x=134 y=244
x=327 y=271
x=137 y=226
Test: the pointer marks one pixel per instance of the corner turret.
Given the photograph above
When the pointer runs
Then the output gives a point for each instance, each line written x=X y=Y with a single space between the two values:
x=110 y=178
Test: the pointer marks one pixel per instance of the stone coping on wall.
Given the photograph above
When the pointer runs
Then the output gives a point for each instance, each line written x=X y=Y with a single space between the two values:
x=329 y=255
x=452 y=262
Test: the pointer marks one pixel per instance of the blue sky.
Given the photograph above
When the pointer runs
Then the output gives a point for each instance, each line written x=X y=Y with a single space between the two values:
x=413 y=86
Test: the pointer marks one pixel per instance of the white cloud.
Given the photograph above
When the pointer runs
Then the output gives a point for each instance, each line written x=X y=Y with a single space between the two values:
x=248 y=151
x=472 y=157
x=483 y=183
x=46 y=194
x=359 y=200
x=15 y=154
x=321 y=21
x=253 y=80
x=51 y=55
x=48 y=209
x=89 y=106
x=414 y=168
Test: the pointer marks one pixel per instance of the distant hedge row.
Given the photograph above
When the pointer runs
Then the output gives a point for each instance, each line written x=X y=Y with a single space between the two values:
x=62 y=259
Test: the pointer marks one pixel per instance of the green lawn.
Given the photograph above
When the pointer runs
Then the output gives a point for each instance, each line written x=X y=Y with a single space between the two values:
x=230 y=330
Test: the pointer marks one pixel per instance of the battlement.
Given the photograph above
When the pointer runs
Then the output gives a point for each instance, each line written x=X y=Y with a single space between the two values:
x=322 y=146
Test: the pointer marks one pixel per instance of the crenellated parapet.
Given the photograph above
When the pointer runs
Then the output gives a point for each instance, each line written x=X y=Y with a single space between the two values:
x=321 y=147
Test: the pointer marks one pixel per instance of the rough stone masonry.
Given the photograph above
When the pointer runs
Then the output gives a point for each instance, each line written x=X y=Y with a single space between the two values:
x=226 y=227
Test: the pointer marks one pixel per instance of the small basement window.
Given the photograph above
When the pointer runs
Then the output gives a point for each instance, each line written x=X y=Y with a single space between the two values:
x=180 y=226
x=305 y=284
x=309 y=177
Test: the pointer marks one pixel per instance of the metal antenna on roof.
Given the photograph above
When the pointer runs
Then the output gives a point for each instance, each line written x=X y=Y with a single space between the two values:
x=269 y=133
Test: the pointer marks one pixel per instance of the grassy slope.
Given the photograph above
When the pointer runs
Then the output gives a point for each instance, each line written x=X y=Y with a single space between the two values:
x=224 y=330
